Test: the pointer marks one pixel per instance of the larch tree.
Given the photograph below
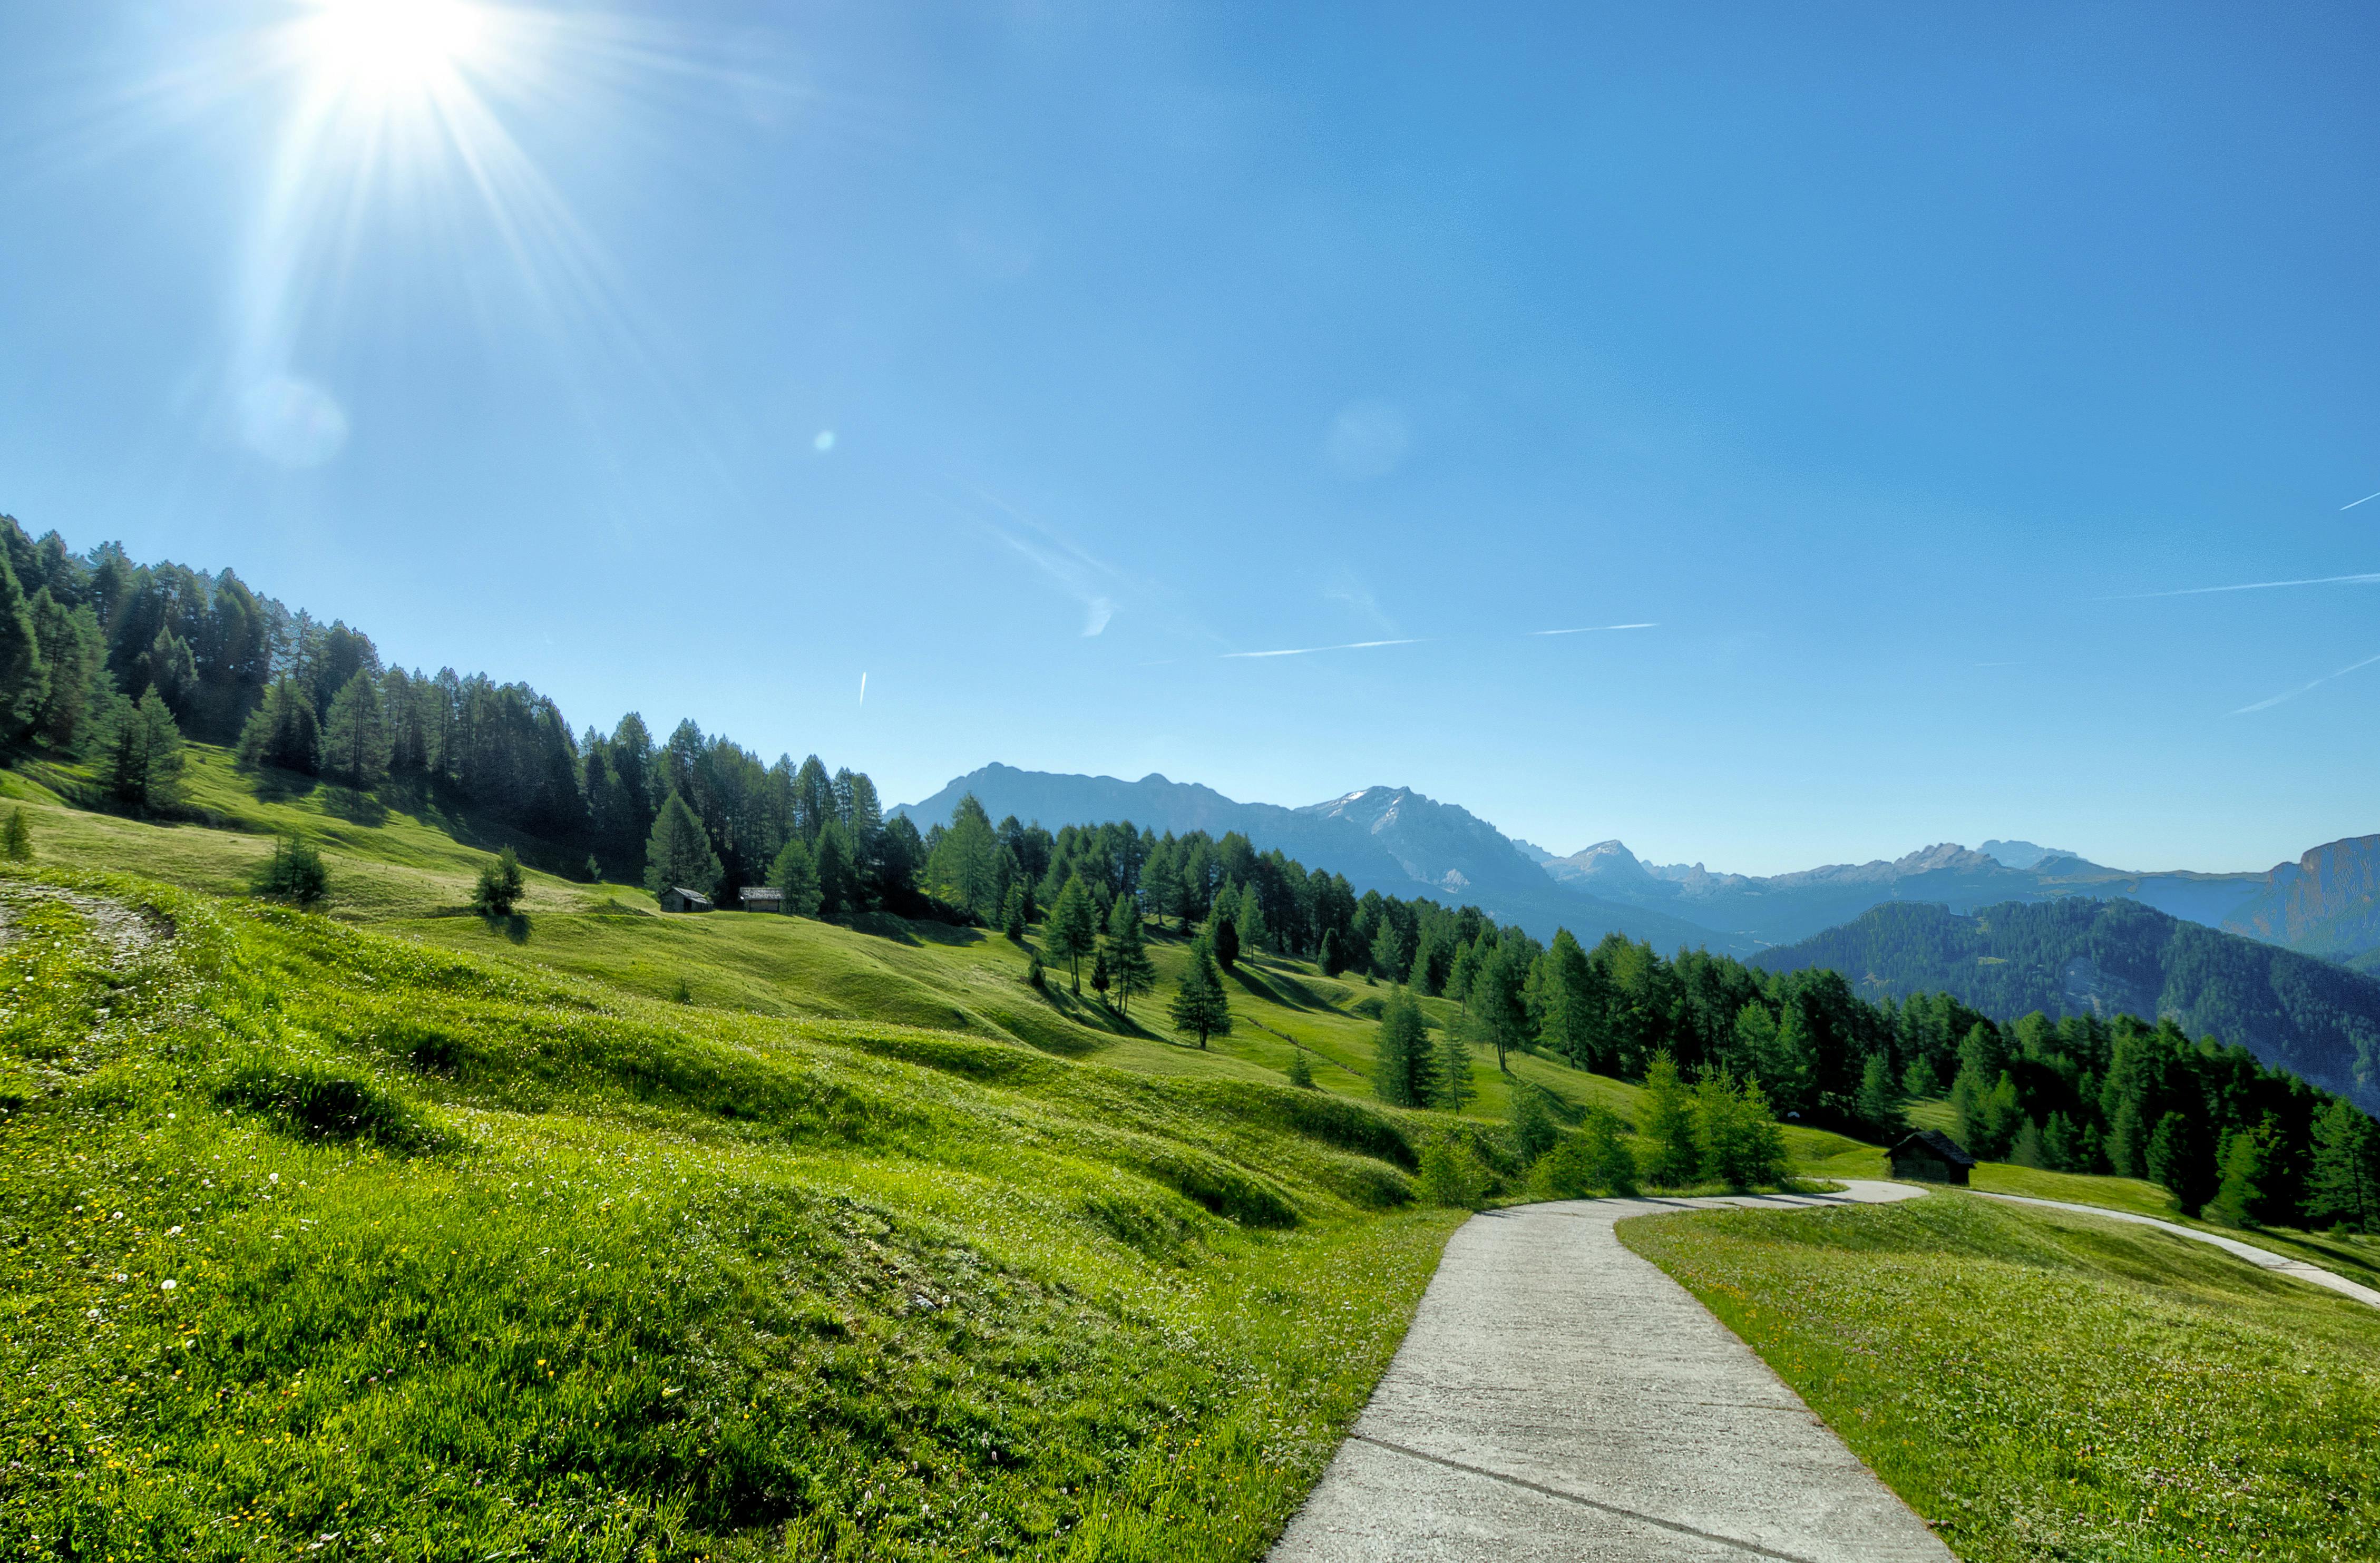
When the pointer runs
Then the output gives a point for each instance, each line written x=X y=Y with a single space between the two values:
x=355 y=735
x=1669 y=1124
x=2345 y=1185
x=1128 y=961
x=796 y=874
x=1072 y=929
x=1403 y=1069
x=1200 y=1008
x=678 y=852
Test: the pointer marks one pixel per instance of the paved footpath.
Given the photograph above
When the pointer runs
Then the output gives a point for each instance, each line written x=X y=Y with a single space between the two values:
x=2262 y=1258
x=1559 y=1398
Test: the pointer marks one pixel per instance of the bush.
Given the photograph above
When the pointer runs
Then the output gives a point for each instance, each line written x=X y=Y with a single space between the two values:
x=499 y=887
x=1594 y=1162
x=294 y=873
x=1452 y=1175
x=1035 y=977
x=1741 y=1143
x=1533 y=1127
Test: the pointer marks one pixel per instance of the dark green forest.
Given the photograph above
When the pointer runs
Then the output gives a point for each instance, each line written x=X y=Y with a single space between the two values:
x=116 y=662
x=2076 y=956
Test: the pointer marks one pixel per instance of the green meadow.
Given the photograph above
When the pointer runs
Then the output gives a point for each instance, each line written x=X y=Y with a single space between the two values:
x=2040 y=1384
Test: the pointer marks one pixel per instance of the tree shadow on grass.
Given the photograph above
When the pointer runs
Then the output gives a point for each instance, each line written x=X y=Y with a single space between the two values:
x=1288 y=994
x=356 y=808
x=513 y=925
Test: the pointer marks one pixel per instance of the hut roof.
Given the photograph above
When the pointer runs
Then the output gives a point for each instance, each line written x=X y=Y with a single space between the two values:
x=1935 y=1144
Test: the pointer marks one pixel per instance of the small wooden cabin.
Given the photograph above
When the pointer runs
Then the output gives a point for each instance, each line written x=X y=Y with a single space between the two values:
x=677 y=898
x=763 y=898
x=1930 y=1156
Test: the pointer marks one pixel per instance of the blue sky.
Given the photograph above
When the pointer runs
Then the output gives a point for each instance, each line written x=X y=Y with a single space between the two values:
x=700 y=360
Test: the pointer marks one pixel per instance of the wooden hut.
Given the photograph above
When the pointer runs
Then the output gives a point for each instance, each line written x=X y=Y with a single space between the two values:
x=677 y=898
x=763 y=898
x=1930 y=1156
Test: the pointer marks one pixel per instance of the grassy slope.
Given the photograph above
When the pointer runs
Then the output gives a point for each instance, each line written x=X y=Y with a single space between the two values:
x=2045 y=1386
x=472 y=1259
x=411 y=870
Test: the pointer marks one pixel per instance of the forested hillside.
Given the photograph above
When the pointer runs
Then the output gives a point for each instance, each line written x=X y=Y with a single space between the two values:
x=109 y=663
x=2080 y=957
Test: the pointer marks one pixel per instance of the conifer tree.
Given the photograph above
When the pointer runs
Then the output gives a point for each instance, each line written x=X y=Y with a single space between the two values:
x=1403 y=1069
x=2239 y=1196
x=1669 y=1124
x=1571 y=1003
x=1387 y=951
x=1736 y=1137
x=1332 y=961
x=282 y=731
x=23 y=679
x=1301 y=1073
x=355 y=735
x=1128 y=959
x=1200 y=1008
x=1101 y=979
x=1248 y=927
x=831 y=856
x=2344 y=1187
x=678 y=852
x=2178 y=1159
x=1878 y=1104
x=1456 y=1087
x=141 y=751
x=293 y=873
x=796 y=876
x=1223 y=936
x=19 y=840
x=1012 y=913
x=500 y=886
x=1072 y=928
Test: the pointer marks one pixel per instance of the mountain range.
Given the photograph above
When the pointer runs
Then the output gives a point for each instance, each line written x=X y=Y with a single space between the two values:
x=1399 y=841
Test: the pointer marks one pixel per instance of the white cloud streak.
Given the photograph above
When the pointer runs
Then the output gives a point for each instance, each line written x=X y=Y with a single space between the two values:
x=2365 y=499
x=1593 y=629
x=1310 y=651
x=1085 y=579
x=2304 y=688
x=2371 y=578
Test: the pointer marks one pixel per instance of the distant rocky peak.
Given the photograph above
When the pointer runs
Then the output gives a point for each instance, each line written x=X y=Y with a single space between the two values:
x=2022 y=854
x=1942 y=855
x=1610 y=860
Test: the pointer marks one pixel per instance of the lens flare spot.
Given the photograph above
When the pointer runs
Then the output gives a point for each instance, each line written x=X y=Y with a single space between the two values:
x=292 y=422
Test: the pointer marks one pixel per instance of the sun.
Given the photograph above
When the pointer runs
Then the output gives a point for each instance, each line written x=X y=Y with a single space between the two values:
x=379 y=50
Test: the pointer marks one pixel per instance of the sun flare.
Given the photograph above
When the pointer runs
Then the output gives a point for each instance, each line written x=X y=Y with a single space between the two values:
x=383 y=49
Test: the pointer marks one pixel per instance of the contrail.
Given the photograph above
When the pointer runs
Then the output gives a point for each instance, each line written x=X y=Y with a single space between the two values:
x=1309 y=650
x=2369 y=580
x=1590 y=629
x=863 y=689
x=2365 y=499
x=2293 y=694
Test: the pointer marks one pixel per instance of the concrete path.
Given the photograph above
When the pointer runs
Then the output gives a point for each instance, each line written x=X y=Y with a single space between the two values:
x=1559 y=1398
x=2262 y=1258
